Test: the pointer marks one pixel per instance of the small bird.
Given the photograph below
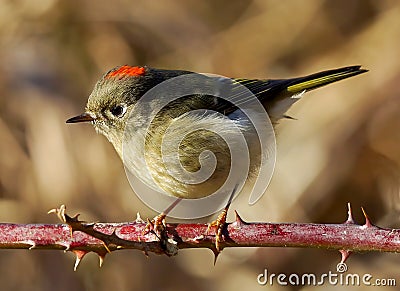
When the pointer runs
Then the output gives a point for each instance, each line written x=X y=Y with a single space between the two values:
x=111 y=108
x=166 y=141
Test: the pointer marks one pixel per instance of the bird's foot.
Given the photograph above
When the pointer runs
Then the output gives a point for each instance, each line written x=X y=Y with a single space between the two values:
x=156 y=225
x=219 y=224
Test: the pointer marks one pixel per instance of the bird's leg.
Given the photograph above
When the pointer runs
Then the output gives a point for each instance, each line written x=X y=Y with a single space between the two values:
x=220 y=223
x=157 y=224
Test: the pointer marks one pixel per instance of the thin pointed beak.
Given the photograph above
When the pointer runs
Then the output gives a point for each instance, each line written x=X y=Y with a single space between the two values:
x=84 y=117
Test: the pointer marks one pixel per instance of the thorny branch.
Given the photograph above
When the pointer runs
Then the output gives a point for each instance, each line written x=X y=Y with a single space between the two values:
x=102 y=238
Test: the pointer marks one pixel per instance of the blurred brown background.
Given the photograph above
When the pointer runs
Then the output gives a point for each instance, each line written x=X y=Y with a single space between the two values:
x=343 y=147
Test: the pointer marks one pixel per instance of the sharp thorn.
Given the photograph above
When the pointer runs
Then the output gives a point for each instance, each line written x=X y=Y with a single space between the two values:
x=367 y=220
x=66 y=245
x=216 y=253
x=31 y=243
x=79 y=254
x=51 y=211
x=139 y=219
x=345 y=255
x=350 y=219
x=76 y=217
x=101 y=260
x=102 y=255
x=77 y=261
x=239 y=221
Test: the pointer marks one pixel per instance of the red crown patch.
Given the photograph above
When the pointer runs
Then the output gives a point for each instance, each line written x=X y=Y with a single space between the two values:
x=126 y=71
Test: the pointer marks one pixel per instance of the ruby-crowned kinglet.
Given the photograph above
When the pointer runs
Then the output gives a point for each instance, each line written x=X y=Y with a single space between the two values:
x=114 y=104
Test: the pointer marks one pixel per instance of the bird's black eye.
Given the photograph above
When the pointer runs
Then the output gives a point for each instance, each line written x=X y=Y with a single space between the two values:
x=118 y=110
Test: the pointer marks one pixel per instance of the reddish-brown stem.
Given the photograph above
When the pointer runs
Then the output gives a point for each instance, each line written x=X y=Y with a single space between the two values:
x=101 y=238
x=347 y=236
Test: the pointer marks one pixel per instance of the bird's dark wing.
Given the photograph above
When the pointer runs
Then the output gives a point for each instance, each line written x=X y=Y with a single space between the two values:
x=270 y=91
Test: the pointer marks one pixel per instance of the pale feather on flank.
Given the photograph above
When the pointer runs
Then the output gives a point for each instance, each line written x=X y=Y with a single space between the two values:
x=298 y=95
x=279 y=109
